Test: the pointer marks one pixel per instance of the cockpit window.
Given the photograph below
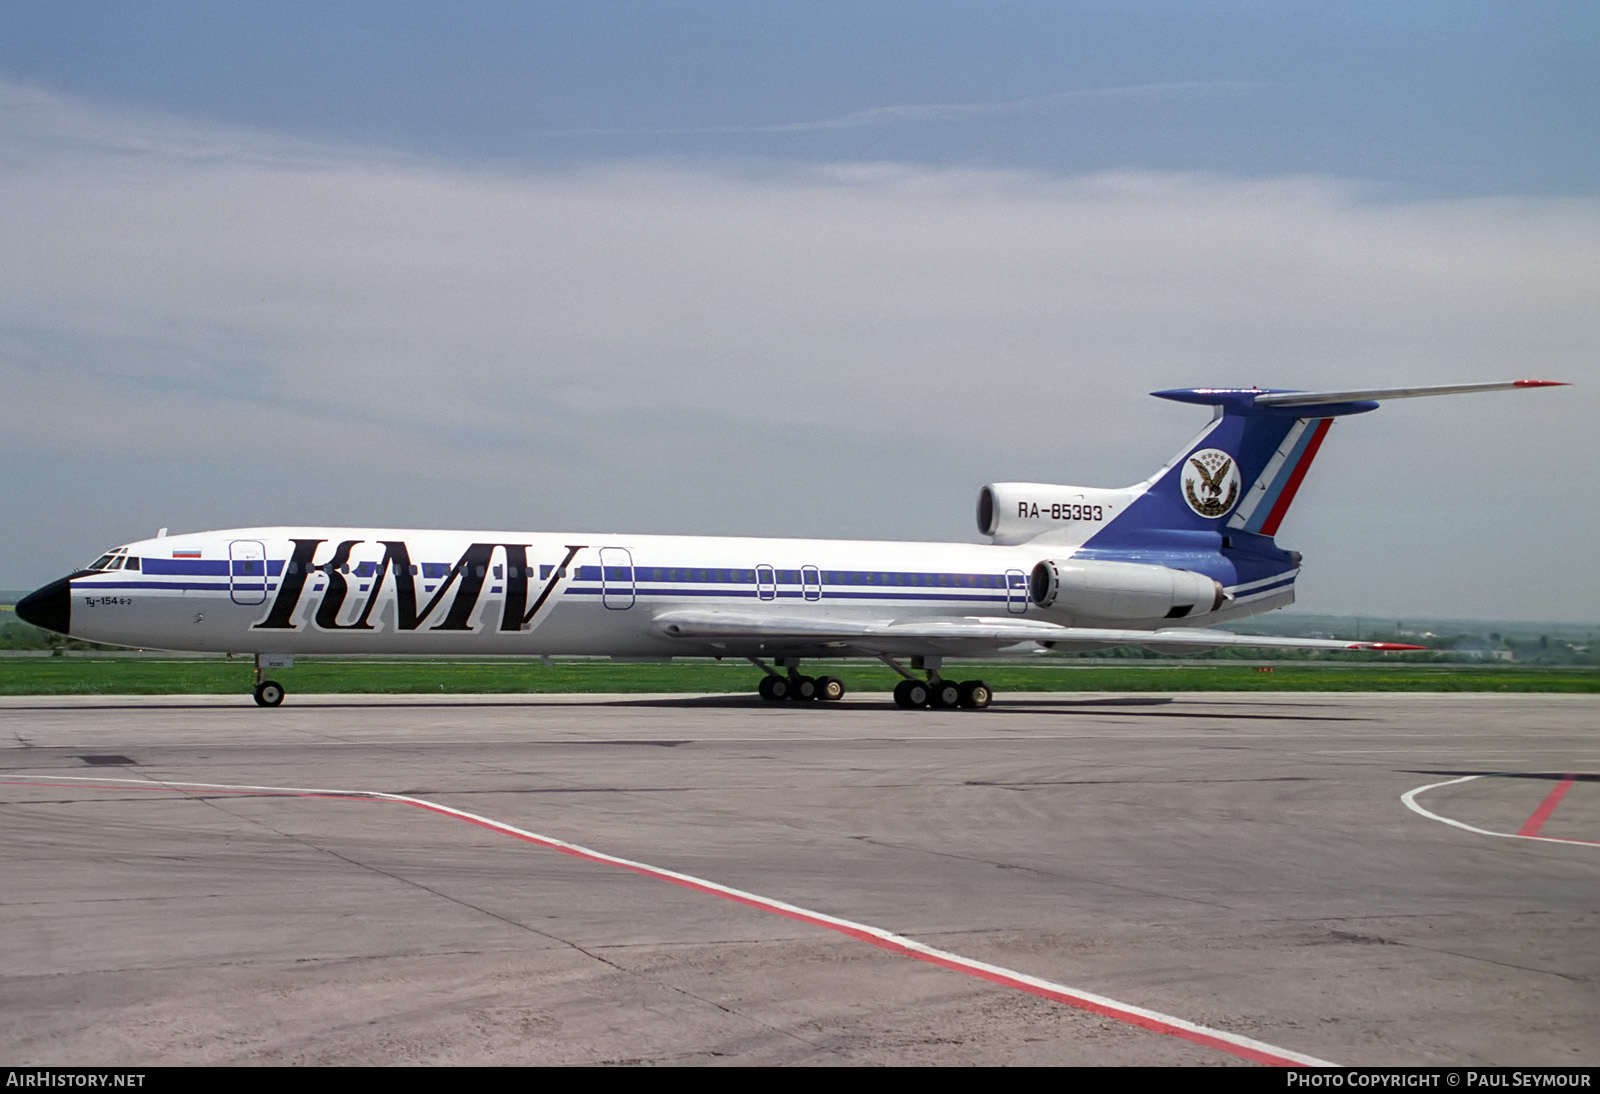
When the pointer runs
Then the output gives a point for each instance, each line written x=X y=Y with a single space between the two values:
x=113 y=560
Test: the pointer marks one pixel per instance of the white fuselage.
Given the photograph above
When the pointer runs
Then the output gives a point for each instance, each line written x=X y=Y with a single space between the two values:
x=334 y=590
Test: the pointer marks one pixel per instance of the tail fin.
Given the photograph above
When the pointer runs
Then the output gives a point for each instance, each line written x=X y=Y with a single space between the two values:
x=1241 y=473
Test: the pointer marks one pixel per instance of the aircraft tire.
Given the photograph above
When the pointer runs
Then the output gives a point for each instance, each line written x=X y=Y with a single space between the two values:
x=944 y=695
x=830 y=689
x=911 y=695
x=774 y=688
x=975 y=695
x=803 y=689
x=268 y=693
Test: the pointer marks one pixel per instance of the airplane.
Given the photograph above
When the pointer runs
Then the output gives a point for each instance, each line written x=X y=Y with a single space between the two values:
x=1066 y=568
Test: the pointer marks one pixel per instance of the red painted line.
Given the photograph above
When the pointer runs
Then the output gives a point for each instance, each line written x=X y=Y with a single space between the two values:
x=884 y=941
x=1233 y=1044
x=1270 y=526
x=1531 y=826
x=1409 y=799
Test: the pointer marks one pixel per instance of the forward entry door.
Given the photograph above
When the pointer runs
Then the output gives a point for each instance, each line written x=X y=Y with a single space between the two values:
x=616 y=578
x=247 y=571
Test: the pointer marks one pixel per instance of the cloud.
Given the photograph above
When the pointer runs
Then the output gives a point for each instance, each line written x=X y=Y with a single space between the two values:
x=920 y=112
x=238 y=328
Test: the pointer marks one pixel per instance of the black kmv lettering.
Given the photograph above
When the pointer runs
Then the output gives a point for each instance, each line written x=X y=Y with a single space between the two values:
x=512 y=618
x=281 y=617
x=470 y=570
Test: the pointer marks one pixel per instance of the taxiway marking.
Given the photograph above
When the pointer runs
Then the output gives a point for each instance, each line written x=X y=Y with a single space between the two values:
x=1533 y=824
x=1410 y=800
x=1235 y=1044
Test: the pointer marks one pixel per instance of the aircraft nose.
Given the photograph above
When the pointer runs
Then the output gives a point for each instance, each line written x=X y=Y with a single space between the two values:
x=49 y=607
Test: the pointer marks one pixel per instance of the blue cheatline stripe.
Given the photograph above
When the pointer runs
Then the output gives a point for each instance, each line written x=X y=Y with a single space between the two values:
x=220 y=587
x=90 y=590
x=869 y=581
x=954 y=596
x=832 y=579
x=829 y=597
x=215 y=567
x=832 y=593
x=1271 y=579
x=1263 y=589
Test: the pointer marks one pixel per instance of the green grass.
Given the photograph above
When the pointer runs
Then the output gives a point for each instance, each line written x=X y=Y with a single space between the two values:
x=311 y=676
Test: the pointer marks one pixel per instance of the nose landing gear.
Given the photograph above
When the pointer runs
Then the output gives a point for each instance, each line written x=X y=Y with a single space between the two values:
x=269 y=693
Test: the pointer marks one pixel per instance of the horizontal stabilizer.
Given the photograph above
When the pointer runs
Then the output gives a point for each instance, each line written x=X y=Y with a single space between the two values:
x=1315 y=398
x=1245 y=469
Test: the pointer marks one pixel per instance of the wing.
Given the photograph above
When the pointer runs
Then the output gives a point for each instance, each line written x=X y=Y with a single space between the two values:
x=973 y=635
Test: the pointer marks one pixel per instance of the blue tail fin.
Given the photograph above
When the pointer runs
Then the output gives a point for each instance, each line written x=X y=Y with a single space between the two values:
x=1239 y=476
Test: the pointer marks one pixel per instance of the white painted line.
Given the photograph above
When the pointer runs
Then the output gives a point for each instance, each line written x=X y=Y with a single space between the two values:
x=1235 y=1044
x=1410 y=800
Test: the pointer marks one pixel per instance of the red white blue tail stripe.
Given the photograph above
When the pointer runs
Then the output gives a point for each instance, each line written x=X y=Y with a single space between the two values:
x=1270 y=496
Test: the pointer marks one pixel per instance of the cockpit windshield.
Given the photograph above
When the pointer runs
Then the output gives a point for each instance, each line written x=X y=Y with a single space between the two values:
x=115 y=560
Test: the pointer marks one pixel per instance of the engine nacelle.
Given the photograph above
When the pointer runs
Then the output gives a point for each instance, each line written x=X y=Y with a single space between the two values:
x=1090 y=589
x=1016 y=512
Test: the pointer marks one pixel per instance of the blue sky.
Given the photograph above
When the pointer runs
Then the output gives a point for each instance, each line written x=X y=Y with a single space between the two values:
x=1419 y=99
x=796 y=268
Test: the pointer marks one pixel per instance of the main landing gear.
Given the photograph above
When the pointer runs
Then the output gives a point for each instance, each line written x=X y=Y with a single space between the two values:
x=911 y=693
x=268 y=693
x=936 y=692
x=776 y=686
x=940 y=694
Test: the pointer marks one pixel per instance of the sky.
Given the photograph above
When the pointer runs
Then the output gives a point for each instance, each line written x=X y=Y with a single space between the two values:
x=799 y=268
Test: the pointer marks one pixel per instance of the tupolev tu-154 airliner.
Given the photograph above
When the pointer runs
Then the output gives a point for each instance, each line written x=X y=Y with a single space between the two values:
x=1067 y=568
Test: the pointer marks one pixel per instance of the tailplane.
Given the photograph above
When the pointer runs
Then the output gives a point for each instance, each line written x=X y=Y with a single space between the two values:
x=1240 y=475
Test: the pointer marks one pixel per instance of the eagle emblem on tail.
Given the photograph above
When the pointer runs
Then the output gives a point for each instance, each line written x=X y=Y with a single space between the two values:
x=1211 y=482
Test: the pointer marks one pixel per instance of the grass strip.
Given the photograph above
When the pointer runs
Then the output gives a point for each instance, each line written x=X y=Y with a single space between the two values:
x=314 y=676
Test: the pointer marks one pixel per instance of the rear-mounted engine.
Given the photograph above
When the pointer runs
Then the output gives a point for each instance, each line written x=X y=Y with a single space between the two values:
x=1090 y=589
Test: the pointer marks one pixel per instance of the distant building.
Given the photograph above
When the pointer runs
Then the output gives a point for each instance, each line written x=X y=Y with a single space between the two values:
x=1483 y=649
